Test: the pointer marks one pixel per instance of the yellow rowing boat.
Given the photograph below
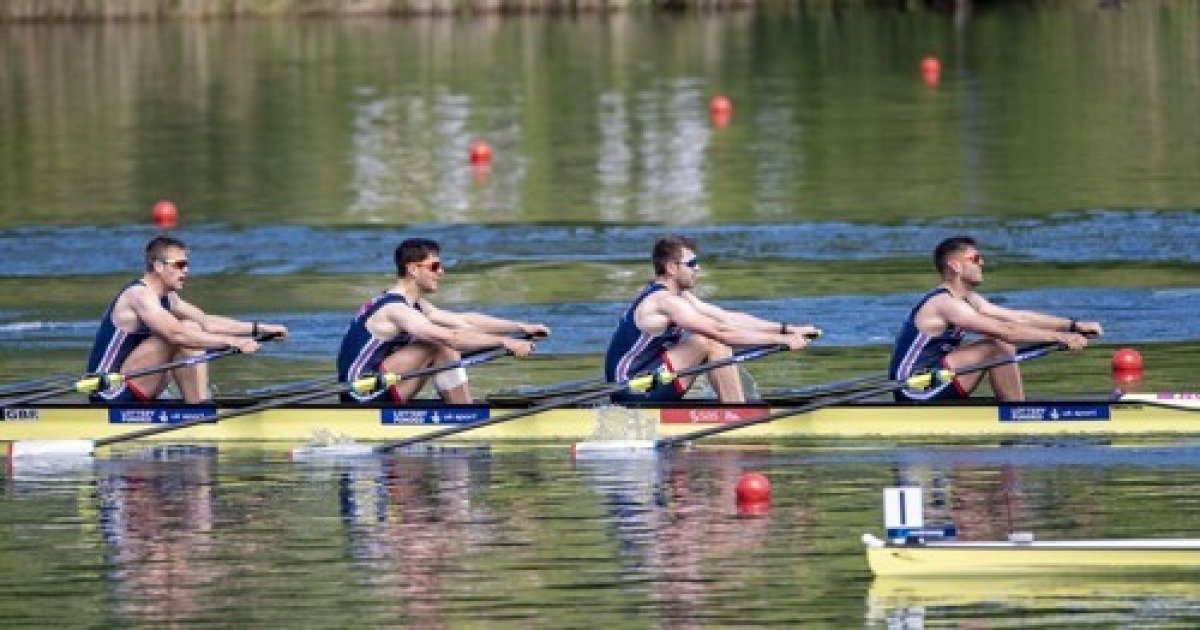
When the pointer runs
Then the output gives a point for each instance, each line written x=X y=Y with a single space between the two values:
x=978 y=419
x=1024 y=556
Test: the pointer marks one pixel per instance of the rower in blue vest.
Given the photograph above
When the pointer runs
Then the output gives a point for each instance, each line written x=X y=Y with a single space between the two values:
x=933 y=334
x=148 y=324
x=668 y=326
x=400 y=331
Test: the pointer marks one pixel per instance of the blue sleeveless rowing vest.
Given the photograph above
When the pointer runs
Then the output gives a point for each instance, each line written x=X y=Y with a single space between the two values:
x=916 y=351
x=113 y=345
x=363 y=353
x=630 y=350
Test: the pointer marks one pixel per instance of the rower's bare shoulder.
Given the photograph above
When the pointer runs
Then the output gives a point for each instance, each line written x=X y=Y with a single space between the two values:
x=663 y=302
x=138 y=297
x=945 y=303
x=398 y=312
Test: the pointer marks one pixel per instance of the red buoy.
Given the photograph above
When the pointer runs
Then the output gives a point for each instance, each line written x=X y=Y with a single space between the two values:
x=753 y=488
x=931 y=70
x=480 y=152
x=720 y=104
x=166 y=216
x=1127 y=360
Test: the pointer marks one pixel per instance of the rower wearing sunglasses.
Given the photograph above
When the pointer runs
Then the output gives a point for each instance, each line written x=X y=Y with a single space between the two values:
x=668 y=326
x=400 y=331
x=149 y=324
x=932 y=336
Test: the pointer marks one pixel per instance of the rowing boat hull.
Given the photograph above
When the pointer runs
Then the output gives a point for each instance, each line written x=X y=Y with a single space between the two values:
x=978 y=559
x=977 y=420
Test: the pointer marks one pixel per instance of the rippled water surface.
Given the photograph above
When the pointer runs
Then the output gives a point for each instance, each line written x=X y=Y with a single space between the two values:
x=1061 y=134
x=477 y=536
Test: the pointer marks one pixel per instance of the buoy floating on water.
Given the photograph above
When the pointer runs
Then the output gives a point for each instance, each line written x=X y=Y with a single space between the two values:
x=166 y=216
x=720 y=105
x=1127 y=360
x=753 y=494
x=1127 y=370
x=480 y=153
x=720 y=109
x=753 y=487
x=931 y=70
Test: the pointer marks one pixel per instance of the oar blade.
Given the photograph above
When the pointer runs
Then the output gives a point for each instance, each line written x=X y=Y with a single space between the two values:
x=332 y=452
x=614 y=449
x=51 y=448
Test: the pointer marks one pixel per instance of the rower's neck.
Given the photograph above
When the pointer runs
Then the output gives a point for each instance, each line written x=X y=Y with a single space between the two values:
x=155 y=284
x=669 y=283
x=957 y=288
x=409 y=289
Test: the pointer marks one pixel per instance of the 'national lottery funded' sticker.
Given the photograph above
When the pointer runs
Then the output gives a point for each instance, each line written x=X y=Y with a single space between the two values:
x=159 y=415
x=1054 y=412
x=464 y=415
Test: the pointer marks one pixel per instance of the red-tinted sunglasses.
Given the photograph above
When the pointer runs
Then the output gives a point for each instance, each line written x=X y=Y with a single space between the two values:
x=434 y=265
x=178 y=263
x=976 y=258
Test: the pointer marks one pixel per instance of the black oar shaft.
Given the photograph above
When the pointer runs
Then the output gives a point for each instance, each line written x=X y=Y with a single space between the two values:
x=93 y=382
x=154 y=369
x=1033 y=352
x=34 y=385
x=296 y=399
x=244 y=411
x=794 y=411
x=566 y=387
x=451 y=430
x=747 y=355
x=831 y=388
x=287 y=388
x=281 y=389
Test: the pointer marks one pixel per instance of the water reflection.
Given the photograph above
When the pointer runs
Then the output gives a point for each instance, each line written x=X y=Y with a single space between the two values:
x=410 y=522
x=1011 y=602
x=409 y=160
x=156 y=514
x=461 y=536
x=676 y=526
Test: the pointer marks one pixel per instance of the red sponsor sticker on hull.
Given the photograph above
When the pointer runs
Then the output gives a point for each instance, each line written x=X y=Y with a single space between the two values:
x=710 y=415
